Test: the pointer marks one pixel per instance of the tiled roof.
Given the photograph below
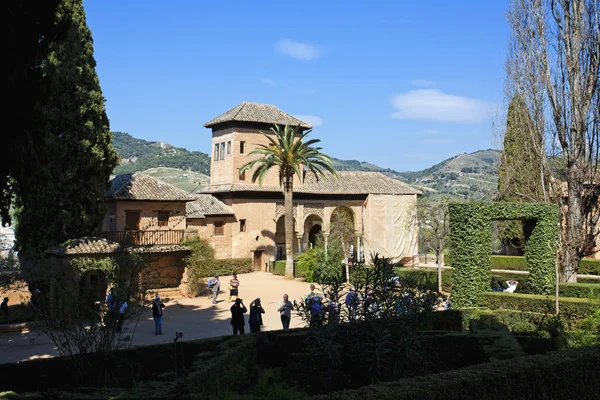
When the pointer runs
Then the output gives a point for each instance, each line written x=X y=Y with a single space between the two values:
x=255 y=112
x=95 y=245
x=206 y=204
x=139 y=186
x=349 y=182
x=86 y=245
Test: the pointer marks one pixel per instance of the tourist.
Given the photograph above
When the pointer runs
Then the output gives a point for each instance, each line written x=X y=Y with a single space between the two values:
x=237 y=316
x=352 y=303
x=214 y=284
x=234 y=284
x=333 y=310
x=111 y=305
x=310 y=295
x=285 y=312
x=255 y=319
x=316 y=311
x=122 y=308
x=511 y=286
x=157 y=314
x=4 y=306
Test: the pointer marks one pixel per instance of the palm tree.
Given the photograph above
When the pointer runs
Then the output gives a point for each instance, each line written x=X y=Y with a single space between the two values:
x=291 y=154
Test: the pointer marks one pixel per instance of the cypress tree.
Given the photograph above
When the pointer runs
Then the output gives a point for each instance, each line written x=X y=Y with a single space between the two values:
x=62 y=197
x=522 y=174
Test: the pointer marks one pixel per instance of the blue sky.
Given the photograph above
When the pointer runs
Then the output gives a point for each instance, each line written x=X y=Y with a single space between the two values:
x=401 y=84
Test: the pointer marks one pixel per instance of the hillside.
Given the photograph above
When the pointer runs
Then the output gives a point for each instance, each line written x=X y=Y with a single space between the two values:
x=472 y=176
x=140 y=155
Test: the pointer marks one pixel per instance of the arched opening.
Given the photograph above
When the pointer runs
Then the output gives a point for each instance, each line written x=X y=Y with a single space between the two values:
x=312 y=234
x=280 y=238
x=313 y=224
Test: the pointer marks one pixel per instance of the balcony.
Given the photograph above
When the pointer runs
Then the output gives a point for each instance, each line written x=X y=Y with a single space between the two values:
x=145 y=238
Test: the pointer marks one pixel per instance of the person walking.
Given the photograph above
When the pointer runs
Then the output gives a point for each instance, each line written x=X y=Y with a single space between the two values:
x=255 y=319
x=157 y=314
x=237 y=316
x=352 y=303
x=214 y=284
x=4 y=306
x=234 y=284
x=285 y=312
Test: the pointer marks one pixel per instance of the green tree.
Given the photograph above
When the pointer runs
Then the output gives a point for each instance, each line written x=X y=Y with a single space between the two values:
x=287 y=151
x=523 y=175
x=62 y=196
x=30 y=25
x=434 y=227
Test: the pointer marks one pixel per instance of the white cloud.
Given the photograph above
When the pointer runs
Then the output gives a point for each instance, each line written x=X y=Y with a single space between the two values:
x=269 y=81
x=301 y=51
x=435 y=141
x=431 y=132
x=311 y=119
x=435 y=105
x=422 y=82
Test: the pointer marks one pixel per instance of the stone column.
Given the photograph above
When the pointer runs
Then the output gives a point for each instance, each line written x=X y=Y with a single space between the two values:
x=299 y=238
x=325 y=238
x=358 y=242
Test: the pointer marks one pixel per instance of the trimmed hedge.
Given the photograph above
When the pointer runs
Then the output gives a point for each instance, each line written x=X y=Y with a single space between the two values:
x=572 y=309
x=581 y=290
x=470 y=243
x=555 y=375
x=230 y=266
x=514 y=263
x=278 y=268
x=589 y=266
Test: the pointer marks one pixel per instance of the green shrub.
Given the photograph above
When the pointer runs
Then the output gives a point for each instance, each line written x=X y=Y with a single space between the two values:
x=516 y=263
x=278 y=267
x=230 y=266
x=573 y=310
x=589 y=266
x=555 y=375
x=305 y=265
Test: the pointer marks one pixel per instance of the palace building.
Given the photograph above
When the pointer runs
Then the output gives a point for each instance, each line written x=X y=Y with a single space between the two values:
x=242 y=218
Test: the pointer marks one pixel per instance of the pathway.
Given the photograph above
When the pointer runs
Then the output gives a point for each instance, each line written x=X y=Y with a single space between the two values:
x=197 y=318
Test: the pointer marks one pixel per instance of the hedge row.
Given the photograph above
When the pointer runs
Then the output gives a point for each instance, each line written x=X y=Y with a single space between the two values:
x=120 y=368
x=587 y=266
x=428 y=278
x=230 y=266
x=555 y=375
x=572 y=309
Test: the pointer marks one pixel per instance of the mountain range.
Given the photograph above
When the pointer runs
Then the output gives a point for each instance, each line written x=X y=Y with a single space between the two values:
x=473 y=175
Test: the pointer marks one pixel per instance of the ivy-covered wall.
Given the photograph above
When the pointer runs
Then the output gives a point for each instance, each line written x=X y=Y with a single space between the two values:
x=470 y=244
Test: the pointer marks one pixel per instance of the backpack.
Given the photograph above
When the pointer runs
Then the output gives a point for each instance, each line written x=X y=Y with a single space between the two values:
x=212 y=282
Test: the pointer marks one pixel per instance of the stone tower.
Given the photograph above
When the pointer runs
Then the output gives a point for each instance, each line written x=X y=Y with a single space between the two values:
x=236 y=133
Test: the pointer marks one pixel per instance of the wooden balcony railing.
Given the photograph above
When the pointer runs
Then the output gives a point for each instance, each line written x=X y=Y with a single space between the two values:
x=145 y=238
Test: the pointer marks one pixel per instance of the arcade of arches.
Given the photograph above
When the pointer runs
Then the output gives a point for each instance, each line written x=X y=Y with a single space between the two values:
x=337 y=218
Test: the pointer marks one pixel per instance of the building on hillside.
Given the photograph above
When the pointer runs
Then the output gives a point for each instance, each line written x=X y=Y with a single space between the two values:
x=242 y=218
x=7 y=241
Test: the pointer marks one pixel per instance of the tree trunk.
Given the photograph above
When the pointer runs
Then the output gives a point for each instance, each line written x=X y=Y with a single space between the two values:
x=440 y=263
x=288 y=197
x=574 y=228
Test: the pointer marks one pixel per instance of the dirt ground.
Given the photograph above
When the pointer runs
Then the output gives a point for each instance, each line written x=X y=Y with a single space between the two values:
x=196 y=317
